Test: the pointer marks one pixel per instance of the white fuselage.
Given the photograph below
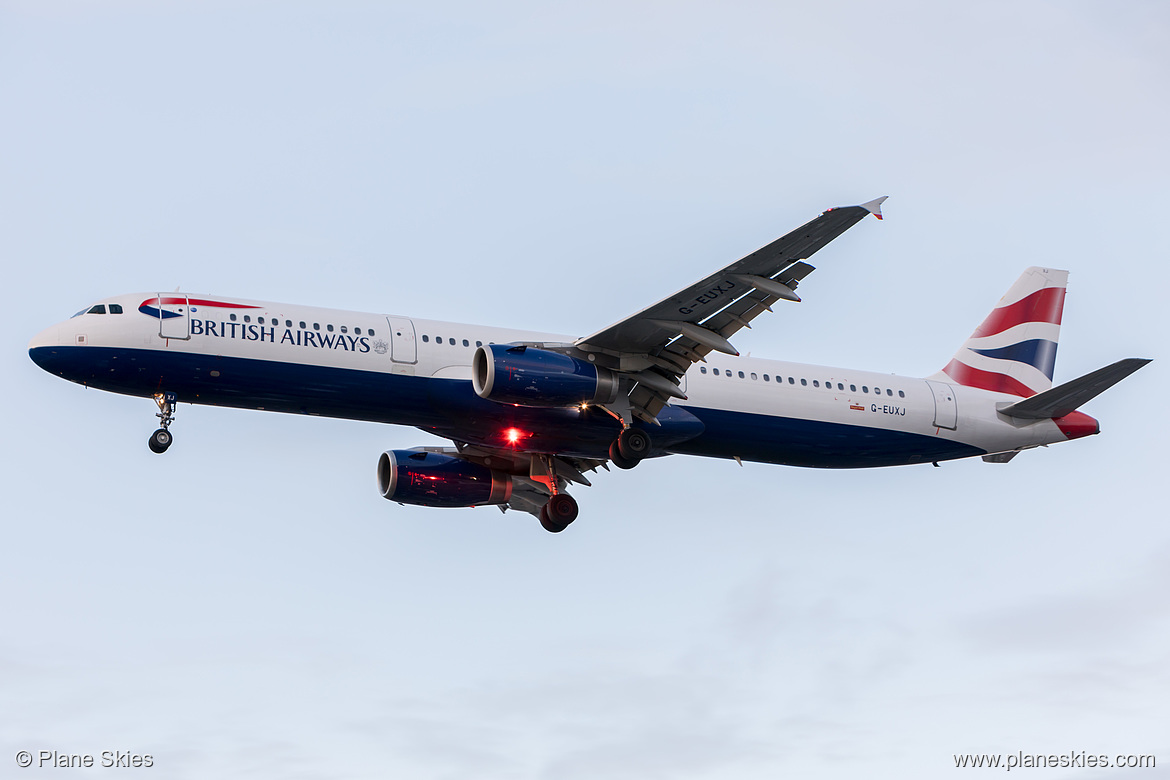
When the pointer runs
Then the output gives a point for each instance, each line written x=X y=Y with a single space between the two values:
x=262 y=355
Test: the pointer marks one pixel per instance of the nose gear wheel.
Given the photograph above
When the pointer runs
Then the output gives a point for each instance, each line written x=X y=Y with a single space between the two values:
x=161 y=439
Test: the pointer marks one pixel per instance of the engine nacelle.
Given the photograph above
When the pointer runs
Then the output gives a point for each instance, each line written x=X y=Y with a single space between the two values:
x=435 y=479
x=537 y=377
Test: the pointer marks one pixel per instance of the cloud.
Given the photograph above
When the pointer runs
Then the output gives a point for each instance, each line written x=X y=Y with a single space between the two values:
x=1091 y=620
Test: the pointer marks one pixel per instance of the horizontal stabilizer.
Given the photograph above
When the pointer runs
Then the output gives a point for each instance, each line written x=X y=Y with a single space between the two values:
x=1067 y=398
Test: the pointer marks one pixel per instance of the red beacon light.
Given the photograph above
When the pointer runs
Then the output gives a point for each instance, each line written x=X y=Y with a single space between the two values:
x=514 y=435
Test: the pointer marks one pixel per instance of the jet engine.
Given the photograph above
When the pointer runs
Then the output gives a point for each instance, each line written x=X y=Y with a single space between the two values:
x=437 y=479
x=537 y=377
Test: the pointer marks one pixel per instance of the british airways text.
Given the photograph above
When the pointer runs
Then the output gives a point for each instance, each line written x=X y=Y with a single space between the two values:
x=299 y=338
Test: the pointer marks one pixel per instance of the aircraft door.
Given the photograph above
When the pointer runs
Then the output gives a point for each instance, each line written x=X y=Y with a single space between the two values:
x=946 y=411
x=402 y=343
x=174 y=321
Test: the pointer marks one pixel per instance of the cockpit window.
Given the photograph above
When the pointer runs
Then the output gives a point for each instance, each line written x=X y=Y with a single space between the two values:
x=100 y=308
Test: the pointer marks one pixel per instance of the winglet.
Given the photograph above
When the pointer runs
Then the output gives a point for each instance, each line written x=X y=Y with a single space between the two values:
x=875 y=206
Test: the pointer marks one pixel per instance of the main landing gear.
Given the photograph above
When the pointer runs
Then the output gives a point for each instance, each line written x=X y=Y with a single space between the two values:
x=558 y=513
x=631 y=446
x=161 y=439
x=627 y=451
x=561 y=509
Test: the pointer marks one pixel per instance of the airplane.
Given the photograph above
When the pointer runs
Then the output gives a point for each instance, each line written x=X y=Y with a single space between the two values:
x=529 y=413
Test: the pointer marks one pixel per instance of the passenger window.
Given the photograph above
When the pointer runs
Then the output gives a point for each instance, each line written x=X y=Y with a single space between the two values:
x=741 y=375
x=327 y=327
x=451 y=342
x=115 y=308
x=466 y=343
x=343 y=330
x=479 y=343
x=791 y=381
x=426 y=339
x=816 y=383
x=804 y=382
x=853 y=388
x=438 y=339
x=753 y=375
x=877 y=391
x=715 y=371
x=864 y=389
x=766 y=377
x=303 y=326
x=98 y=309
x=840 y=386
x=232 y=316
x=702 y=369
x=288 y=324
x=901 y=394
x=316 y=326
x=889 y=391
x=247 y=318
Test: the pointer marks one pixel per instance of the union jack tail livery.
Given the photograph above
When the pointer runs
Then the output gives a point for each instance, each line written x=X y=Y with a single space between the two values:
x=1014 y=350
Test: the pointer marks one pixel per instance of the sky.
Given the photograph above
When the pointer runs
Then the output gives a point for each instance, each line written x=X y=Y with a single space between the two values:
x=248 y=606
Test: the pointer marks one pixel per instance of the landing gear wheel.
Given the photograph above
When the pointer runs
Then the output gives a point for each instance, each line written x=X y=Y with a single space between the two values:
x=547 y=523
x=160 y=440
x=619 y=460
x=634 y=444
x=558 y=513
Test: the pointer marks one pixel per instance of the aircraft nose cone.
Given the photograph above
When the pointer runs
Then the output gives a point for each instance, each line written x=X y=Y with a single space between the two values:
x=42 y=345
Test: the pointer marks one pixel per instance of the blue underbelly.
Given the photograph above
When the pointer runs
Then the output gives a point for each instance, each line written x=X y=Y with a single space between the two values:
x=814 y=443
x=450 y=408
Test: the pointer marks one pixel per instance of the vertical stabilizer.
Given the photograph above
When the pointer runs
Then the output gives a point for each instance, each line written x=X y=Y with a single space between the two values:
x=1014 y=350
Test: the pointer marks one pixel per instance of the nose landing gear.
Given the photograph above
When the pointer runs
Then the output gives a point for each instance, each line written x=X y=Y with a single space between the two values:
x=161 y=439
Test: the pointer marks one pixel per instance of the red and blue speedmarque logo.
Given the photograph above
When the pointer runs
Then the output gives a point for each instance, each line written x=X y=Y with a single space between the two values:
x=170 y=300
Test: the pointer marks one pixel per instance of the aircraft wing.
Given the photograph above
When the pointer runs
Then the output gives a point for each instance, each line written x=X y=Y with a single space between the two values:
x=529 y=493
x=656 y=346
